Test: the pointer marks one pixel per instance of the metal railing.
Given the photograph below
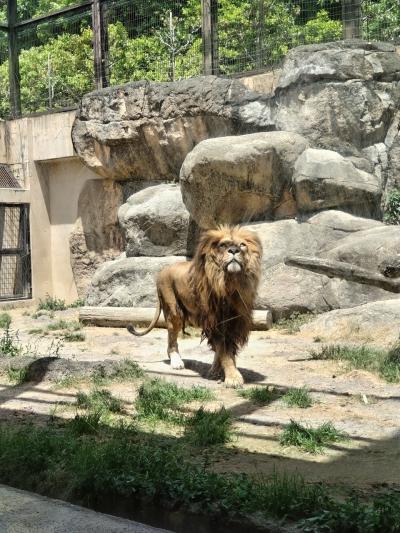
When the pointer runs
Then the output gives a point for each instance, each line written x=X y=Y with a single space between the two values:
x=49 y=61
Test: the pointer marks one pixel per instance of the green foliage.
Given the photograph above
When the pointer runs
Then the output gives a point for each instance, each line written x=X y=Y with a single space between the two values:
x=5 y=320
x=322 y=29
x=125 y=370
x=261 y=395
x=18 y=376
x=392 y=209
x=73 y=325
x=160 y=400
x=80 y=302
x=298 y=398
x=85 y=424
x=9 y=343
x=73 y=336
x=292 y=324
x=381 y=20
x=308 y=439
x=209 y=428
x=384 y=362
x=99 y=401
x=51 y=303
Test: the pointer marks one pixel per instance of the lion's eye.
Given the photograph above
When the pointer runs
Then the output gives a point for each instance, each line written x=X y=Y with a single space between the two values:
x=243 y=246
x=222 y=245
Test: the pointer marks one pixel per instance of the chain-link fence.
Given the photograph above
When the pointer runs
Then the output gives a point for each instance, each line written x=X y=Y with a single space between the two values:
x=50 y=61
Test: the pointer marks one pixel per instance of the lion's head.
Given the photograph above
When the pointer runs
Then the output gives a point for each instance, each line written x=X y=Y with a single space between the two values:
x=225 y=274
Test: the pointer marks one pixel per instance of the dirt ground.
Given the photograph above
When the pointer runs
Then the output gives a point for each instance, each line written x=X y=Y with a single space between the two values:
x=356 y=402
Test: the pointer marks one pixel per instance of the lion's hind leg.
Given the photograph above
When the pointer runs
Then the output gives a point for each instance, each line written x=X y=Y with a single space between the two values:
x=174 y=326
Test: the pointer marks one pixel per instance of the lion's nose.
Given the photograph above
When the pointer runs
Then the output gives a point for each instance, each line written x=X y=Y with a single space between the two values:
x=233 y=250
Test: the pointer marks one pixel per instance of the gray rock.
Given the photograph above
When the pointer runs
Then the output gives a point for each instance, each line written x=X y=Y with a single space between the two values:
x=128 y=281
x=144 y=130
x=367 y=248
x=242 y=178
x=373 y=321
x=155 y=222
x=342 y=222
x=340 y=61
x=324 y=179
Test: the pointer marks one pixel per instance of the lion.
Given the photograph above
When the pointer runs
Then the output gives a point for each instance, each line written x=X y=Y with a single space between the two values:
x=216 y=292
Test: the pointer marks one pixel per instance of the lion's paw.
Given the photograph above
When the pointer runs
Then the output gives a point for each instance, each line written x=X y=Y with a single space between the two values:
x=234 y=380
x=215 y=372
x=176 y=361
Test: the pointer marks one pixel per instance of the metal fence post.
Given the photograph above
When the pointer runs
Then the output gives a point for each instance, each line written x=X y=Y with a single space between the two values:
x=100 y=45
x=351 y=17
x=13 y=60
x=209 y=29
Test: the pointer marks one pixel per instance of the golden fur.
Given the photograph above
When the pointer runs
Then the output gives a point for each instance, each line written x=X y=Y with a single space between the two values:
x=216 y=292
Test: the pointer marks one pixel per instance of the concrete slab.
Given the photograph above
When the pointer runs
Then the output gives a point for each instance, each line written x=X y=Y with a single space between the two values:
x=24 y=512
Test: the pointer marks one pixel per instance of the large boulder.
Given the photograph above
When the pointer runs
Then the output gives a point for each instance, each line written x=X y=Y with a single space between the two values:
x=155 y=222
x=341 y=96
x=128 y=281
x=375 y=321
x=144 y=130
x=324 y=180
x=284 y=289
x=235 y=179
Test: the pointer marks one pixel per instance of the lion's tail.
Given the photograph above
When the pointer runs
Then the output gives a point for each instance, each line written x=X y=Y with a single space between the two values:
x=157 y=314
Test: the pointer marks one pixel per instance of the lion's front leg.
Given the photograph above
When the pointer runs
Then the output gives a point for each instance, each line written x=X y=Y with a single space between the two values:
x=233 y=378
x=215 y=371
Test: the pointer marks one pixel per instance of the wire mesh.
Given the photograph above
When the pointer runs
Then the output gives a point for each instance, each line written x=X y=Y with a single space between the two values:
x=162 y=40
x=15 y=264
x=7 y=178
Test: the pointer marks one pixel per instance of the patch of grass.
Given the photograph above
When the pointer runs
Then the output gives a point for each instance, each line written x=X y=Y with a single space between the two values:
x=125 y=370
x=85 y=424
x=99 y=401
x=5 y=320
x=122 y=464
x=392 y=208
x=208 y=428
x=261 y=395
x=292 y=324
x=80 y=302
x=36 y=331
x=160 y=400
x=318 y=339
x=50 y=303
x=17 y=375
x=298 y=398
x=73 y=336
x=386 y=363
x=311 y=440
x=73 y=325
x=9 y=344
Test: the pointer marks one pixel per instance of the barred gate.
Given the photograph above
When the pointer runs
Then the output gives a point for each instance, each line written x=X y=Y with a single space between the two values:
x=15 y=257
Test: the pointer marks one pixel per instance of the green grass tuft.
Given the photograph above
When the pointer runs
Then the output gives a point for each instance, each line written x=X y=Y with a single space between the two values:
x=73 y=336
x=292 y=324
x=18 y=376
x=125 y=370
x=99 y=401
x=5 y=320
x=9 y=344
x=298 y=398
x=80 y=302
x=261 y=395
x=208 y=428
x=160 y=400
x=386 y=363
x=309 y=439
x=51 y=303
x=85 y=424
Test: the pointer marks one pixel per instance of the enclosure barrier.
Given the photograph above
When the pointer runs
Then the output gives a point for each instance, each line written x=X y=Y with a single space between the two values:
x=48 y=61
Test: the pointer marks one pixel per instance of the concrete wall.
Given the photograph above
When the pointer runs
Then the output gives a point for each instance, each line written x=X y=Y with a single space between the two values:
x=41 y=148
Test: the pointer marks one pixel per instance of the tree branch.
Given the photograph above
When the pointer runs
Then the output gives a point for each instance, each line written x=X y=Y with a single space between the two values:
x=337 y=269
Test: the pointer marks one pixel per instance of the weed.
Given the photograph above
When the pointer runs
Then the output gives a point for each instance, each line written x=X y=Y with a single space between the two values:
x=308 y=439
x=17 y=375
x=51 y=303
x=125 y=370
x=5 y=320
x=80 y=302
x=384 y=362
x=298 y=398
x=37 y=331
x=318 y=339
x=292 y=324
x=26 y=313
x=261 y=395
x=160 y=400
x=73 y=325
x=73 y=336
x=99 y=401
x=392 y=208
x=9 y=344
x=208 y=428
x=85 y=424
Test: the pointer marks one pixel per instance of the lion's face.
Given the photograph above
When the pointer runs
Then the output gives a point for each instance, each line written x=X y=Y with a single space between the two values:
x=229 y=255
